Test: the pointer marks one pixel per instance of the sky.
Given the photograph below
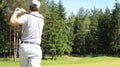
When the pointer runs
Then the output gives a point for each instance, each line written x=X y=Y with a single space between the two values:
x=75 y=5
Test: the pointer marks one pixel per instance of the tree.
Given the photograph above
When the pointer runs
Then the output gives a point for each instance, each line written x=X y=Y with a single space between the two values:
x=100 y=31
x=70 y=28
x=107 y=20
x=56 y=42
x=63 y=30
x=78 y=29
x=4 y=29
x=93 y=32
x=81 y=30
x=114 y=26
x=86 y=30
x=103 y=32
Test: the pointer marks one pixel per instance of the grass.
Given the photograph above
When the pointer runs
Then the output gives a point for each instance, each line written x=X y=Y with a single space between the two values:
x=66 y=61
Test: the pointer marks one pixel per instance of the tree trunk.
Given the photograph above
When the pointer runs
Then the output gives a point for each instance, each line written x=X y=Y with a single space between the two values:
x=15 y=44
x=10 y=50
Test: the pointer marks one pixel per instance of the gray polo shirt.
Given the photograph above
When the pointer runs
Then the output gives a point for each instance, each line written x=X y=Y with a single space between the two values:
x=32 y=27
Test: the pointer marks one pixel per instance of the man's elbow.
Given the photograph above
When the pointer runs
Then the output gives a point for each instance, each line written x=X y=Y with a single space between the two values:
x=13 y=23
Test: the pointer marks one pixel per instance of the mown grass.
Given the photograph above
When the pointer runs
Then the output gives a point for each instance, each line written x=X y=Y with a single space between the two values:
x=79 y=60
x=65 y=61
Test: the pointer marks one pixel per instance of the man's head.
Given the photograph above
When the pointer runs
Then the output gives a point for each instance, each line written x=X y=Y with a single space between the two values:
x=34 y=5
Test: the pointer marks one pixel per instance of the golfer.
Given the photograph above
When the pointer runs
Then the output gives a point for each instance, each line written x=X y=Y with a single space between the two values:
x=29 y=51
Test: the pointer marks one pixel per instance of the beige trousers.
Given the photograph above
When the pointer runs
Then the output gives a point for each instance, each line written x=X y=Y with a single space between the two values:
x=30 y=55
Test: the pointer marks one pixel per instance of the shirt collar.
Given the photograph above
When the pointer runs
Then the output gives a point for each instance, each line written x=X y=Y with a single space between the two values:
x=35 y=12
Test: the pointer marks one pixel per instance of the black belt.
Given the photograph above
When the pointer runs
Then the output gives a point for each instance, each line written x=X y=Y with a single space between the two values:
x=28 y=42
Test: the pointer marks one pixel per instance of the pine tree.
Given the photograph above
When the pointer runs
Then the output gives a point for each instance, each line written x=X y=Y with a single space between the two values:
x=56 y=30
x=78 y=32
x=70 y=28
x=4 y=36
x=106 y=31
x=93 y=32
x=86 y=30
x=114 y=26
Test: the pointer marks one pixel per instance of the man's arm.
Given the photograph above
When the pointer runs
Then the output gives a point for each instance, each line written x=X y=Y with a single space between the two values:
x=14 y=21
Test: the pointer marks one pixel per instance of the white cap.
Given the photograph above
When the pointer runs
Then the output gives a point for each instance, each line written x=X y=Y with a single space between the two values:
x=35 y=3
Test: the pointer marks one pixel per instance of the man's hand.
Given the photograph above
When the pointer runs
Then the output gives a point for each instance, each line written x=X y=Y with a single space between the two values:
x=20 y=11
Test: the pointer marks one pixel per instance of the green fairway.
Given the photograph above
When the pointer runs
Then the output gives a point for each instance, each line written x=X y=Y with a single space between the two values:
x=70 y=62
x=105 y=64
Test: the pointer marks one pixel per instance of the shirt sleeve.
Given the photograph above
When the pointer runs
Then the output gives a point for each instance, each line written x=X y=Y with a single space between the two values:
x=23 y=19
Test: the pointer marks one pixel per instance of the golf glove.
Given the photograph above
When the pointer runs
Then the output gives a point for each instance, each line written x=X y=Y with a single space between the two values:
x=18 y=10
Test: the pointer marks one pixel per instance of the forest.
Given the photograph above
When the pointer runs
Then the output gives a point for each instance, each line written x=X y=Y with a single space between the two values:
x=89 y=32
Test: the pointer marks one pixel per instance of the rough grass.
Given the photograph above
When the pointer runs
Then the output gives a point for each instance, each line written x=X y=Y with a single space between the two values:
x=67 y=61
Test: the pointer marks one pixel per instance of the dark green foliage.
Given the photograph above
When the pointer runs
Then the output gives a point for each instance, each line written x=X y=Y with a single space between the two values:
x=4 y=28
x=115 y=27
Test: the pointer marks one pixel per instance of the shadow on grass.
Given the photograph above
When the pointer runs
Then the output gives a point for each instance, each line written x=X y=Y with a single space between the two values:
x=94 y=55
x=49 y=58
x=5 y=59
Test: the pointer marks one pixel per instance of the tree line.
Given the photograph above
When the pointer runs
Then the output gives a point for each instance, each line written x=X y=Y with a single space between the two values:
x=87 y=32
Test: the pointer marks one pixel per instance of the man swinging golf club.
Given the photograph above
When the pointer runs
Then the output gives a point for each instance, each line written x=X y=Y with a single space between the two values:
x=29 y=51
